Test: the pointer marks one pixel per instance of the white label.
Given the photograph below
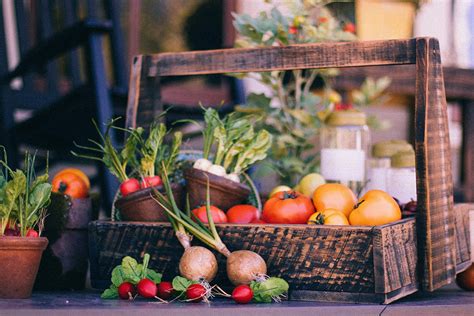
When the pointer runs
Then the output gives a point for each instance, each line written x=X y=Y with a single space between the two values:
x=343 y=164
x=377 y=179
x=402 y=184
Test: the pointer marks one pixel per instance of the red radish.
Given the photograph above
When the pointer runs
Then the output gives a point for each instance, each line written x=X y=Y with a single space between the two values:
x=129 y=186
x=32 y=233
x=196 y=293
x=146 y=288
x=242 y=214
x=165 y=290
x=126 y=291
x=218 y=216
x=242 y=294
x=151 y=182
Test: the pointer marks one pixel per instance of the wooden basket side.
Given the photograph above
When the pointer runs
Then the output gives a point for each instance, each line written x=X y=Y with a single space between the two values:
x=395 y=257
x=463 y=235
x=435 y=216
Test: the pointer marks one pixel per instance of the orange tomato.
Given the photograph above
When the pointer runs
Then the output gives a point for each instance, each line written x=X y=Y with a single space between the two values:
x=78 y=173
x=335 y=196
x=328 y=217
x=70 y=184
x=376 y=207
x=465 y=279
x=287 y=207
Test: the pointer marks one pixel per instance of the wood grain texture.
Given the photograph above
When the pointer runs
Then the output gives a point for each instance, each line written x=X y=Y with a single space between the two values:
x=435 y=217
x=468 y=148
x=463 y=237
x=395 y=256
x=321 y=55
x=310 y=258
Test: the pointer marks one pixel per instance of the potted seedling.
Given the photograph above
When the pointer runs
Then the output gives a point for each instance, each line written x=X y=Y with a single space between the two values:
x=23 y=200
x=236 y=147
x=137 y=166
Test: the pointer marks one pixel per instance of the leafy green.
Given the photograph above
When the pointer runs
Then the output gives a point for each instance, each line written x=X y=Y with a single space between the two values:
x=130 y=271
x=270 y=289
x=180 y=284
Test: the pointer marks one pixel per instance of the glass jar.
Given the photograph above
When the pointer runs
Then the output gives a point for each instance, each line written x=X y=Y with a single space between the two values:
x=379 y=165
x=402 y=176
x=345 y=138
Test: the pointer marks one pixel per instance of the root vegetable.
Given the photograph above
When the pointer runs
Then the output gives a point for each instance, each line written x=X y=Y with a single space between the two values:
x=198 y=263
x=164 y=290
x=233 y=177
x=146 y=288
x=244 y=266
x=32 y=233
x=196 y=293
x=126 y=291
x=242 y=294
x=217 y=170
x=202 y=164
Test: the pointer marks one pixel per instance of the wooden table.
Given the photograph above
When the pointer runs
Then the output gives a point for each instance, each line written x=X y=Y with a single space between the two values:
x=447 y=301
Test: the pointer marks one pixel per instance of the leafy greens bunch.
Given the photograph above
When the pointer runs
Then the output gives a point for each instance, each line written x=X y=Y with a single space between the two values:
x=23 y=196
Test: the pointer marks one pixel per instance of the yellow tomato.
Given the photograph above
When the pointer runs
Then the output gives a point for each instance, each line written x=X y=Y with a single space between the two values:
x=279 y=189
x=310 y=183
x=376 y=207
x=328 y=217
x=335 y=196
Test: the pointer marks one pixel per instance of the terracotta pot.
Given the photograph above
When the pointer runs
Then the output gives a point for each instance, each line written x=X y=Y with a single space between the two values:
x=19 y=261
x=65 y=261
x=139 y=206
x=224 y=193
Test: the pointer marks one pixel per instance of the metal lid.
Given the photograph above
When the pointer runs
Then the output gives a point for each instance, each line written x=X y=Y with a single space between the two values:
x=388 y=148
x=403 y=159
x=346 y=118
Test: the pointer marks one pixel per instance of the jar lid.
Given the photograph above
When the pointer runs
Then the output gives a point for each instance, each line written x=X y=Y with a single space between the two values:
x=388 y=148
x=403 y=159
x=346 y=117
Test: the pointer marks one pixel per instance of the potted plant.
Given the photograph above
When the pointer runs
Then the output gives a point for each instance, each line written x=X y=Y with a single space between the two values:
x=23 y=200
x=137 y=166
x=237 y=146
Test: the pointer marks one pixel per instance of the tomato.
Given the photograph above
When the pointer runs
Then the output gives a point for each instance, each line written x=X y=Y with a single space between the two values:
x=336 y=196
x=349 y=27
x=376 y=207
x=242 y=214
x=309 y=183
x=328 y=217
x=129 y=186
x=70 y=184
x=465 y=279
x=288 y=207
x=258 y=221
x=78 y=173
x=218 y=216
x=151 y=182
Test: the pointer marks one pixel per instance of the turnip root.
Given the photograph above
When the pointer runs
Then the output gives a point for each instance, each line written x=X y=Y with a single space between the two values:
x=202 y=164
x=217 y=170
x=198 y=263
x=233 y=177
x=244 y=266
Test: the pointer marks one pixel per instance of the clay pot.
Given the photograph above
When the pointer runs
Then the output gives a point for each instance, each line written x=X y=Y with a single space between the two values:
x=224 y=193
x=139 y=206
x=65 y=261
x=19 y=261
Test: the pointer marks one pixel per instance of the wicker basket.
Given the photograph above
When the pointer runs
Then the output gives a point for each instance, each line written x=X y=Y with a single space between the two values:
x=355 y=264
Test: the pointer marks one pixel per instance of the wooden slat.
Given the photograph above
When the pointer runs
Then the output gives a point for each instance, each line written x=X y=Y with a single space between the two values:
x=322 y=55
x=435 y=217
x=463 y=238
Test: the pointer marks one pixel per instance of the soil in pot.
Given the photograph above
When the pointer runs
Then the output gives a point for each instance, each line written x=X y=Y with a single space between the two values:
x=224 y=193
x=139 y=206
x=20 y=258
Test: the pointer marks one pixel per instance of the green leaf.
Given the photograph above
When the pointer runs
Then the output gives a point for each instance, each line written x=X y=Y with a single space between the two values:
x=265 y=291
x=110 y=293
x=180 y=284
x=153 y=275
x=131 y=270
x=117 y=276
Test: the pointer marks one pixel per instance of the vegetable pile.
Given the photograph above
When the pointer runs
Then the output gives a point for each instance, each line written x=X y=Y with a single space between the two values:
x=24 y=197
x=237 y=147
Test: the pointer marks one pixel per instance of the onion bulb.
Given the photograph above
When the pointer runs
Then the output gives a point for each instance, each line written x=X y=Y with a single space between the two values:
x=217 y=170
x=198 y=263
x=233 y=177
x=202 y=164
x=244 y=266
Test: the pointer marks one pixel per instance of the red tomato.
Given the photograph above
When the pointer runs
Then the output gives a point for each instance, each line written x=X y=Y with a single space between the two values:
x=242 y=214
x=129 y=186
x=288 y=207
x=258 y=221
x=151 y=182
x=349 y=27
x=218 y=216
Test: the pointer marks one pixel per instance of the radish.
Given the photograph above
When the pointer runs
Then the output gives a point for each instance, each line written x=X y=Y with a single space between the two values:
x=146 y=288
x=32 y=233
x=217 y=170
x=244 y=266
x=198 y=263
x=233 y=177
x=196 y=293
x=126 y=291
x=202 y=164
x=242 y=294
x=164 y=290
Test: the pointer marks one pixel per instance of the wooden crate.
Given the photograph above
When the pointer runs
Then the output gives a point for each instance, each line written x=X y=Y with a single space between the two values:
x=389 y=262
